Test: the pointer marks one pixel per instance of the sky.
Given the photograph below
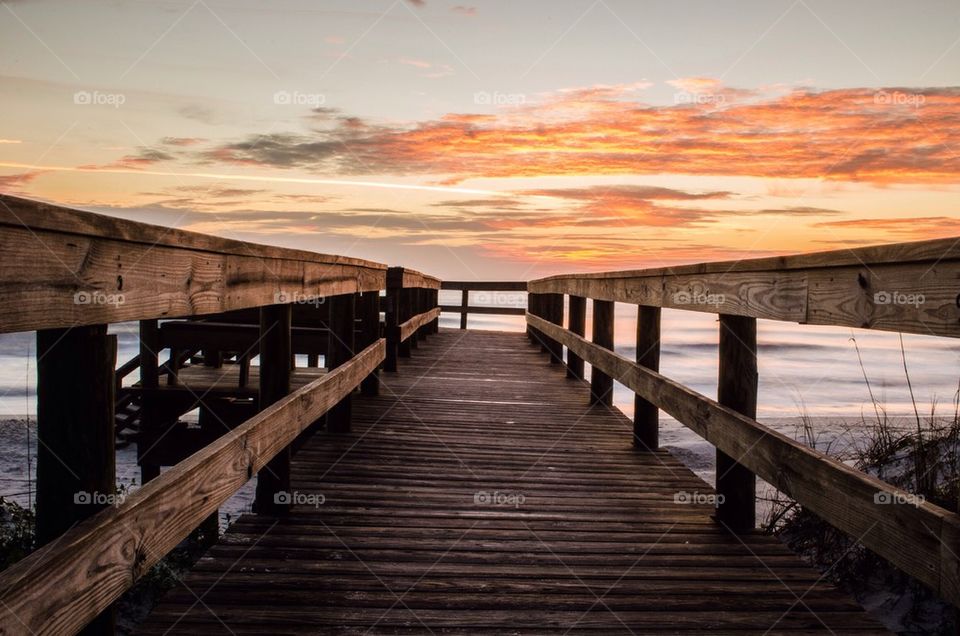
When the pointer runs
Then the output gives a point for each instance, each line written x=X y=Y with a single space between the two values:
x=493 y=140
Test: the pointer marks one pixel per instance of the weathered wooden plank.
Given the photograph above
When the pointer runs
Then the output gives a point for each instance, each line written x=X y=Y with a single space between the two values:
x=473 y=309
x=412 y=510
x=880 y=516
x=913 y=296
x=409 y=327
x=519 y=285
x=412 y=279
x=60 y=587
x=97 y=270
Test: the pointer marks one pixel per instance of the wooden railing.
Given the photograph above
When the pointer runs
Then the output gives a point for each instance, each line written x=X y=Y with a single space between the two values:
x=910 y=287
x=67 y=274
x=491 y=287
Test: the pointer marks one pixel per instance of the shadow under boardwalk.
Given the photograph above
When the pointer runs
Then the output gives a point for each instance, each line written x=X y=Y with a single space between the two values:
x=480 y=494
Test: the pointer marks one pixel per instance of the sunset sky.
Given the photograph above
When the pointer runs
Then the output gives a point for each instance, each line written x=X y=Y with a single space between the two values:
x=494 y=139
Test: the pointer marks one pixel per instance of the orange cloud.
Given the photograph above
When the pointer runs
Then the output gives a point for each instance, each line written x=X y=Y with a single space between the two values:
x=889 y=136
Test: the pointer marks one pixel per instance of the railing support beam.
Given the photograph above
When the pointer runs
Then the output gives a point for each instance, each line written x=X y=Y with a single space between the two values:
x=76 y=464
x=412 y=303
x=646 y=416
x=149 y=379
x=464 y=304
x=340 y=348
x=392 y=319
x=601 y=384
x=577 y=323
x=369 y=333
x=275 y=347
x=554 y=313
x=737 y=389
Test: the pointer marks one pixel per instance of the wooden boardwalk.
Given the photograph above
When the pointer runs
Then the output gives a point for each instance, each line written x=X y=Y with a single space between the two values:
x=480 y=494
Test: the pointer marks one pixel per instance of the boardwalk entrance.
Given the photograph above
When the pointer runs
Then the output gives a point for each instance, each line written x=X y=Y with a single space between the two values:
x=480 y=494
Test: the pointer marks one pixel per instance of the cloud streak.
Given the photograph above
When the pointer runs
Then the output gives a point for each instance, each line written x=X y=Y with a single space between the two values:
x=890 y=136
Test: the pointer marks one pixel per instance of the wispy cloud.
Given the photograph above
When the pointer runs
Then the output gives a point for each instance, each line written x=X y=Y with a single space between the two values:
x=890 y=136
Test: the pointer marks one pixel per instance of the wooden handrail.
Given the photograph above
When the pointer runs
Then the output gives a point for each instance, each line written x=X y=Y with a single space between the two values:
x=410 y=327
x=414 y=279
x=483 y=285
x=465 y=308
x=64 y=268
x=918 y=537
x=62 y=586
x=126 y=369
x=904 y=287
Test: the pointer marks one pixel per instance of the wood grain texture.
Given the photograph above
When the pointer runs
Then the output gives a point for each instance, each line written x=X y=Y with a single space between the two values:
x=476 y=285
x=65 y=268
x=917 y=538
x=918 y=295
x=409 y=327
x=473 y=309
x=416 y=280
x=60 y=587
x=418 y=533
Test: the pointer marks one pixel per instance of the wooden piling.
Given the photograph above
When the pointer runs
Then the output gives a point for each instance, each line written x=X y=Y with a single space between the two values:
x=76 y=466
x=273 y=481
x=464 y=304
x=601 y=384
x=340 y=348
x=149 y=379
x=392 y=317
x=646 y=416
x=369 y=304
x=737 y=389
x=554 y=313
x=576 y=322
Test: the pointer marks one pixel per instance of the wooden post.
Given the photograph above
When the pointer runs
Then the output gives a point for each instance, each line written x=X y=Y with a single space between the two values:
x=404 y=313
x=392 y=317
x=576 y=322
x=464 y=305
x=601 y=384
x=535 y=302
x=275 y=346
x=646 y=416
x=369 y=333
x=412 y=310
x=340 y=348
x=434 y=303
x=76 y=465
x=554 y=313
x=737 y=389
x=420 y=304
x=149 y=379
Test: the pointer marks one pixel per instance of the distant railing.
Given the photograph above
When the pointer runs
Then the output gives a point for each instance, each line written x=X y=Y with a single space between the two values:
x=68 y=274
x=908 y=287
x=465 y=308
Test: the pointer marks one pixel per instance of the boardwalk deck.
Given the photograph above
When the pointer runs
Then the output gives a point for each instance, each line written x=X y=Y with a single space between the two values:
x=480 y=494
